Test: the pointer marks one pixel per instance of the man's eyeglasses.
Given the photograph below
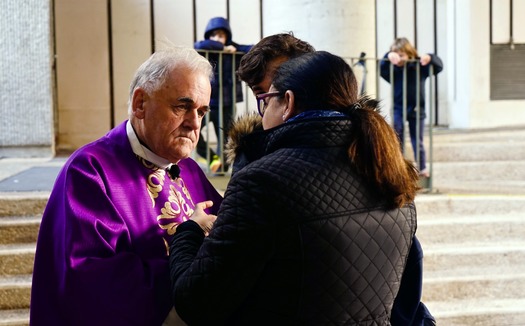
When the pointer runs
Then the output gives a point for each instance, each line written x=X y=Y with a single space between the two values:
x=261 y=102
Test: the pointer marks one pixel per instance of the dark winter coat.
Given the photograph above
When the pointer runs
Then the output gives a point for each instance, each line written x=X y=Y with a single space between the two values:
x=228 y=61
x=411 y=84
x=300 y=239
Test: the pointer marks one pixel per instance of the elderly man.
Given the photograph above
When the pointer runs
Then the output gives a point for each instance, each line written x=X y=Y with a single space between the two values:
x=102 y=250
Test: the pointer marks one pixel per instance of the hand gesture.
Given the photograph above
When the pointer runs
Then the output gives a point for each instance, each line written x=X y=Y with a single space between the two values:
x=394 y=58
x=230 y=49
x=425 y=59
x=204 y=220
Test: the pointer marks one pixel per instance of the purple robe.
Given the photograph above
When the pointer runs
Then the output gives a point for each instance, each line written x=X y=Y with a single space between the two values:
x=101 y=256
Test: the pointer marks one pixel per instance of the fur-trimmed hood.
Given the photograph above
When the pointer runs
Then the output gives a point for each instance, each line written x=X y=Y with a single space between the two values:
x=241 y=127
x=247 y=141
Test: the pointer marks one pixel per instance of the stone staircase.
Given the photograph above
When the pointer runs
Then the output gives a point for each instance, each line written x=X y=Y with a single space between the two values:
x=471 y=226
x=474 y=265
x=19 y=222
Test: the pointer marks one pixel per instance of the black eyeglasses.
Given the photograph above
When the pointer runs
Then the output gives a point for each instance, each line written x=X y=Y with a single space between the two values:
x=261 y=102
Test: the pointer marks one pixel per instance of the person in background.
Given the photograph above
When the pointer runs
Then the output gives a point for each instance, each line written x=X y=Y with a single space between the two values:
x=257 y=69
x=317 y=228
x=218 y=37
x=102 y=250
x=403 y=55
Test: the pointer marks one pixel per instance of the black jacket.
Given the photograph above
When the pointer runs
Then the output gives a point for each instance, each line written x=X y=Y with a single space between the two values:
x=412 y=83
x=300 y=239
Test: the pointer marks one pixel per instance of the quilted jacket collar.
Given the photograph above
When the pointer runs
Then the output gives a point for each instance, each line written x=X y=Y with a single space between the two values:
x=249 y=142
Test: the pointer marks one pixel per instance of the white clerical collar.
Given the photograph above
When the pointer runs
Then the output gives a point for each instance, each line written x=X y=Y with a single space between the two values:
x=144 y=152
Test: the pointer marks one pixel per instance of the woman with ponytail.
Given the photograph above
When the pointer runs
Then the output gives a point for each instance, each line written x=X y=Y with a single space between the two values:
x=318 y=219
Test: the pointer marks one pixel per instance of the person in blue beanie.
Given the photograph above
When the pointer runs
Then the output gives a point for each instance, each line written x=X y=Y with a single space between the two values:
x=218 y=37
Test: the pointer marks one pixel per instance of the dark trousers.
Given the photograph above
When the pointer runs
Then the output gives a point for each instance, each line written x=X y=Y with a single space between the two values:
x=399 y=127
x=202 y=146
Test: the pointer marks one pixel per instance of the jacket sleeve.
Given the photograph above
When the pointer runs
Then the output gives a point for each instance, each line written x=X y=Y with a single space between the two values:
x=208 y=45
x=407 y=304
x=220 y=273
x=436 y=62
x=243 y=48
x=384 y=68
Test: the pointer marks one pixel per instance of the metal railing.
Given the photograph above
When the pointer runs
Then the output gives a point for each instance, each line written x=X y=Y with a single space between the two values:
x=358 y=63
x=220 y=137
x=362 y=62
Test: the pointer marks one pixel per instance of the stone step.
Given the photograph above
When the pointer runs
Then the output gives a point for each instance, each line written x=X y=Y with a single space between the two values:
x=17 y=259
x=488 y=287
x=511 y=150
x=475 y=312
x=452 y=259
x=506 y=177
x=478 y=229
x=14 y=317
x=26 y=204
x=15 y=291
x=19 y=229
x=436 y=206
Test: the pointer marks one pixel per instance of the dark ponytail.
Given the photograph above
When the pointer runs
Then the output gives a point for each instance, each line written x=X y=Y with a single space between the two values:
x=376 y=153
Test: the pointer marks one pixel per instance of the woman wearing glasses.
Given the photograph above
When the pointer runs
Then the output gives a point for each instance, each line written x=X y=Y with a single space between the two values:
x=316 y=229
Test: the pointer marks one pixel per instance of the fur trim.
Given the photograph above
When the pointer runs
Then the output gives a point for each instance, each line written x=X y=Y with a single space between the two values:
x=242 y=126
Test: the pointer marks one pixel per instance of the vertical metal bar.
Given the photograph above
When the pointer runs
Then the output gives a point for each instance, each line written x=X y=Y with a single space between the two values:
x=261 y=19
x=221 y=109
x=490 y=21
x=195 y=22
x=415 y=24
x=511 y=29
x=392 y=114
x=111 y=79
x=417 y=152
x=152 y=24
x=436 y=104
x=430 y=157
x=207 y=117
x=54 y=141
x=395 y=18
x=404 y=107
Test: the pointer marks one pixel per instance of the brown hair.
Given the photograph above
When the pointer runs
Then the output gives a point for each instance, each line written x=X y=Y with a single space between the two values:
x=323 y=81
x=376 y=152
x=401 y=44
x=253 y=65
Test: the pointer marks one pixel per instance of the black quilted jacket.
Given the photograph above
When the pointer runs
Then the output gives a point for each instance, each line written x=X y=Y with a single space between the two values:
x=300 y=239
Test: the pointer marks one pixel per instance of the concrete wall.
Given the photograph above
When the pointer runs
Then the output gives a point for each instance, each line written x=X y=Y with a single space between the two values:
x=100 y=43
x=26 y=77
x=468 y=44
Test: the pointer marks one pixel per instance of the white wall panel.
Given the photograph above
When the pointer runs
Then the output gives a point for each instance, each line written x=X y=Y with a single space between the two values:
x=245 y=21
x=83 y=83
x=131 y=41
x=518 y=21
x=425 y=26
x=500 y=21
x=206 y=9
x=173 y=22
x=405 y=20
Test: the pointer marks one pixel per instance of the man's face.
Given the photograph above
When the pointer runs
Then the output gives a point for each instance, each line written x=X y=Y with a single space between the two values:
x=169 y=120
x=264 y=85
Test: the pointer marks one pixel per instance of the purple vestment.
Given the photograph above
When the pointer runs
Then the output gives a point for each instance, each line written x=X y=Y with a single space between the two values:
x=101 y=256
